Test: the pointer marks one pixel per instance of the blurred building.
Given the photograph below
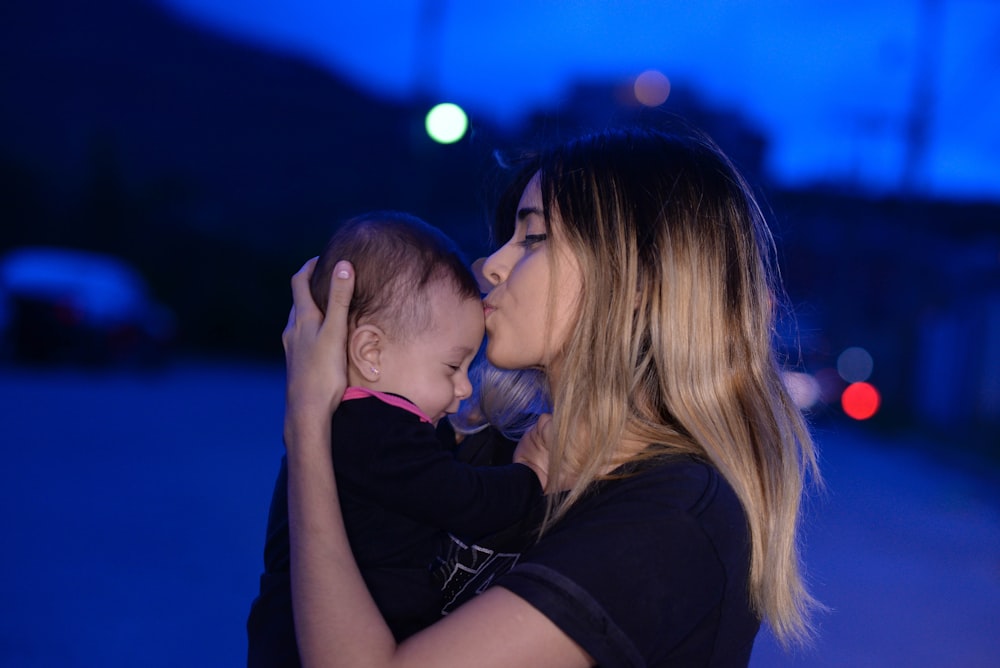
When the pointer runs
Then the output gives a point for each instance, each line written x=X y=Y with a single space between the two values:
x=216 y=168
x=915 y=283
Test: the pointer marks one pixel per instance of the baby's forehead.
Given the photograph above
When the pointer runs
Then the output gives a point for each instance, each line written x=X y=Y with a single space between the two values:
x=445 y=292
x=448 y=308
x=450 y=311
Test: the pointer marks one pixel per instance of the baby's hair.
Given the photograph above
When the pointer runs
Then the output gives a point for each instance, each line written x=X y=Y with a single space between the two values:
x=396 y=257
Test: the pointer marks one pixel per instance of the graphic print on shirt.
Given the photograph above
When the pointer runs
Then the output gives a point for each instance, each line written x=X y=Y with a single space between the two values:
x=467 y=570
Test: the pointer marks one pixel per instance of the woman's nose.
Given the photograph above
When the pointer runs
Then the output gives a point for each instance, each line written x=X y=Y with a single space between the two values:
x=481 y=280
x=493 y=269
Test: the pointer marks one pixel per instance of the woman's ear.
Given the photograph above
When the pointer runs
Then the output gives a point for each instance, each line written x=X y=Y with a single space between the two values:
x=364 y=351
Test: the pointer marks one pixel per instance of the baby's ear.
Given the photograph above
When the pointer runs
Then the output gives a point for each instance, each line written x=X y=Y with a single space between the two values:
x=364 y=351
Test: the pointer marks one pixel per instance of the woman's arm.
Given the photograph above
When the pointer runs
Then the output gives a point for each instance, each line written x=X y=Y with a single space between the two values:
x=323 y=571
x=336 y=621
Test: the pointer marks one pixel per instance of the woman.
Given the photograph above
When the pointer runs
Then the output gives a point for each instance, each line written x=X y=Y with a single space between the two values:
x=637 y=278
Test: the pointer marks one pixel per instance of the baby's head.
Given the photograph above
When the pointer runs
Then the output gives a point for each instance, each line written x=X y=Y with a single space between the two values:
x=416 y=319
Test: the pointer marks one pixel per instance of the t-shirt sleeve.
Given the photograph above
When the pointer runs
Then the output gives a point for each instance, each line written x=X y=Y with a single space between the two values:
x=414 y=474
x=624 y=583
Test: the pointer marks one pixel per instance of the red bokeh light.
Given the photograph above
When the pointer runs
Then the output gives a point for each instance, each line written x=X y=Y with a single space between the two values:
x=860 y=400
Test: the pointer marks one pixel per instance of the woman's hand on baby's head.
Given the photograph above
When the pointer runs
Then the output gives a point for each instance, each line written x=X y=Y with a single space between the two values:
x=316 y=347
x=533 y=448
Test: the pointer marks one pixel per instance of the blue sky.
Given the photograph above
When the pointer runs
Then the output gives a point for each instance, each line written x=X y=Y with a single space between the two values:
x=832 y=84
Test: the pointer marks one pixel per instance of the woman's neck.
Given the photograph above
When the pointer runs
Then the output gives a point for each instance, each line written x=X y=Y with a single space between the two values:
x=628 y=447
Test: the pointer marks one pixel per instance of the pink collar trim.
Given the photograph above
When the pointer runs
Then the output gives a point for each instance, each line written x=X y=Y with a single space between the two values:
x=355 y=392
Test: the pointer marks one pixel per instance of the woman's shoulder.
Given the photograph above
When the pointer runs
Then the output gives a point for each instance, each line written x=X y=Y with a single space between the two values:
x=651 y=564
x=675 y=505
x=679 y=483
x=668 y=504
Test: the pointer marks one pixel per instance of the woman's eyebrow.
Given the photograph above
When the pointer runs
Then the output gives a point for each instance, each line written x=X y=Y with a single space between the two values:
x=528 y=211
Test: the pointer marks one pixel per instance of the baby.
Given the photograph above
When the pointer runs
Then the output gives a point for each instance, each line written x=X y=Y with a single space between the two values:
x=416 y=323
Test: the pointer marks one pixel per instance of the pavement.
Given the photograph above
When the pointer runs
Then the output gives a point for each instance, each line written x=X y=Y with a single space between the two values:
x=134 y=507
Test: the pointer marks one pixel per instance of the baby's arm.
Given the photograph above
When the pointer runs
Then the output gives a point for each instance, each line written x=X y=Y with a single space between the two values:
x=412 y=473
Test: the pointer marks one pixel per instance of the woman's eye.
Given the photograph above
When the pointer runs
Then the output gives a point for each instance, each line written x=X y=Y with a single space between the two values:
x=532 y=239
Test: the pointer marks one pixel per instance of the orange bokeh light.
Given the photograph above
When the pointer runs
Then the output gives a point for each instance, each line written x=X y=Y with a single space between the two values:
x=652 y=88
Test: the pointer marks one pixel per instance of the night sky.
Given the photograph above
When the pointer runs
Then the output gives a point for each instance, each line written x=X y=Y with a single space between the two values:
x=887 y=95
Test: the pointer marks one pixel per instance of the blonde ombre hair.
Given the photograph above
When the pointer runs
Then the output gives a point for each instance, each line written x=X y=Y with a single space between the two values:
x=674 y=343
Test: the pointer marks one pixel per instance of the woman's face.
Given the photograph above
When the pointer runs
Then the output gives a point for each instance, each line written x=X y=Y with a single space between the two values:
x=519 y=332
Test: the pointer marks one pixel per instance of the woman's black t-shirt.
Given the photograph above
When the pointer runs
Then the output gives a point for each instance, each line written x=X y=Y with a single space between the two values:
x=647 y=570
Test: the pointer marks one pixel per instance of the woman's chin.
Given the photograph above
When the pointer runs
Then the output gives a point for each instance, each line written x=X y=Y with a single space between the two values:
x=503 y=358
x=499 y=357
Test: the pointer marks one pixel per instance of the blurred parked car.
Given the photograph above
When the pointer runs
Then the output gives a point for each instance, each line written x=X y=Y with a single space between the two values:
x=63 y=305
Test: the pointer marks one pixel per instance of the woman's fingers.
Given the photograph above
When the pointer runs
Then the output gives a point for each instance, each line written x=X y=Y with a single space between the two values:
x=301 y=295
x=315 y=352
x=301 y=301
x=338 y=304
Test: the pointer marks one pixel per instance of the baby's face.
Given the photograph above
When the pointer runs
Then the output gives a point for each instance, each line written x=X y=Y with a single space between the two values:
x=431 y=368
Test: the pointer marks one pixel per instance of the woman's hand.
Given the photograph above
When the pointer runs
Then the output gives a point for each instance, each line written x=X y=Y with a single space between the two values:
x=315 y=351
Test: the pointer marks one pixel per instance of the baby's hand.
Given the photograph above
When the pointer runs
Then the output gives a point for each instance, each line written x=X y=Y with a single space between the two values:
x=533 y=448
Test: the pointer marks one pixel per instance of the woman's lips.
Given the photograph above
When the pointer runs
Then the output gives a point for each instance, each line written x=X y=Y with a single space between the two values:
x=487 y=309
